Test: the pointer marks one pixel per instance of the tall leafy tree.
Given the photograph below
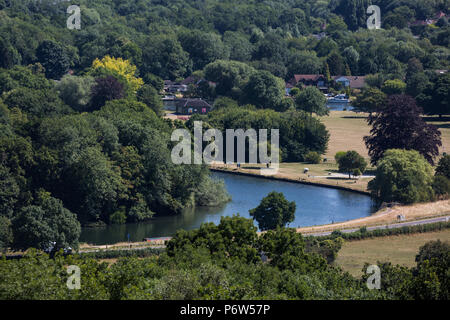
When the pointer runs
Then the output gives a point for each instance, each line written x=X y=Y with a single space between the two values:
x=399 y=125
x=273 y=211
x=44 y=225
x=264 y=90
x=369 y=100
x=312 y=100
x=350 y=162
x=53 y=58
x=404 y=176
x=106 y=89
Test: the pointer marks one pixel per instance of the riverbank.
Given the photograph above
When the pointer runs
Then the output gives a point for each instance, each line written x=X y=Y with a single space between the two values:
x=293 y=172
x=387 y=216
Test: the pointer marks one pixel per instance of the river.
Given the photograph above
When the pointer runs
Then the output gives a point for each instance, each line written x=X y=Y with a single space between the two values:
x=315 y=206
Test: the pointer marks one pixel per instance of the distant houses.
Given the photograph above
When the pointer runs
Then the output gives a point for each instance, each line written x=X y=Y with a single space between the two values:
x=354 y=82
x=427 y=22
x=320 y=81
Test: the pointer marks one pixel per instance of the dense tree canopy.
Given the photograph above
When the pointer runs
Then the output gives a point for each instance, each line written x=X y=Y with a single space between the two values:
x=399 y=125
x=403 y=176
x=274 y=211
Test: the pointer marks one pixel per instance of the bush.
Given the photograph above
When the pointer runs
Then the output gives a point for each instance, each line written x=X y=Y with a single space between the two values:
x=352 y=162
x=312 y=157
x=441 y=185
x=339 y=155
x=443 y=168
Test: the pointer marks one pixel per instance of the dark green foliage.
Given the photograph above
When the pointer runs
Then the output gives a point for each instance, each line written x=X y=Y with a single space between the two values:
x=264 y=90
x=443 y=167
x=370 y=100
x=441 y=185
x=6 y=235
x=53 y=58
x=46 y=224
x=432 y=280
x=312 y=157
x=312 y=100
x=435 y=98
x=274 y=211
x=399 y=125
x=299 y=133
x=224 y=262
x=351 y=161
x=148 y=95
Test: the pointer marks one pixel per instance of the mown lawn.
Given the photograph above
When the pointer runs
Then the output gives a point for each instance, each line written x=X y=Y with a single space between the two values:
x=400 y=249
x=347 y=130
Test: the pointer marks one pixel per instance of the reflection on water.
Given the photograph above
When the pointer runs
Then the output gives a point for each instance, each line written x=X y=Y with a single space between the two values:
x=315 y=206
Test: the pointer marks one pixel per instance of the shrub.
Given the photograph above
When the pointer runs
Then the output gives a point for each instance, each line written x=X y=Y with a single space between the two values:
x=441 y=185
x=339 y=155
x=312 y=157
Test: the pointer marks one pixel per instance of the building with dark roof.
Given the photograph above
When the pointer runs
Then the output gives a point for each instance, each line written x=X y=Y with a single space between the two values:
x=192 y=106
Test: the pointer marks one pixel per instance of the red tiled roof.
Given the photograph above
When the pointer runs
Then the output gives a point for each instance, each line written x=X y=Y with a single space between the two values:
x=313 y=77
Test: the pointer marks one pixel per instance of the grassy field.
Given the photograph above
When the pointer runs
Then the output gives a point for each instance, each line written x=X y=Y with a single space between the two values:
x=348 y=128
x=400 y=249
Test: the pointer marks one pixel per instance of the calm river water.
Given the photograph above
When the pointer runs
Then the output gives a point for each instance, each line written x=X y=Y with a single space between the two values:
x=315 y=206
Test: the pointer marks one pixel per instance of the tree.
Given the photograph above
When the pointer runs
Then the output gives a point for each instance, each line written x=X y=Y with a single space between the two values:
x=443 y=167
x=437 y=96
x=264 y=90
x=8 y=55
x=303 y=62
x=274 y=211
x=154 y=81
x=148 y=95
x=350 y=162
x=391 y=87
x=399 y=125
x=228 y=75
x=431 y=274
x=354 y=12
x=404 y=176
x=240 y=47
x=203 y=47
x=53 y=58
x=369 y=100
x=9 y=191
x=312 y=100
x=47 y=222
x=312 y=157
x=336 y=64
x=164 y=57
x=76 y=91
x=120 y=69
x=106 y=89
x=6 y=235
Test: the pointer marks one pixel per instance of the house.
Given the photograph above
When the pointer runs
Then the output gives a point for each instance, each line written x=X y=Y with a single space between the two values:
x=316 y=80
x=354 y=82
x=192 y=106
x=173 y=87
x=288 y=87
x=169 y=103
